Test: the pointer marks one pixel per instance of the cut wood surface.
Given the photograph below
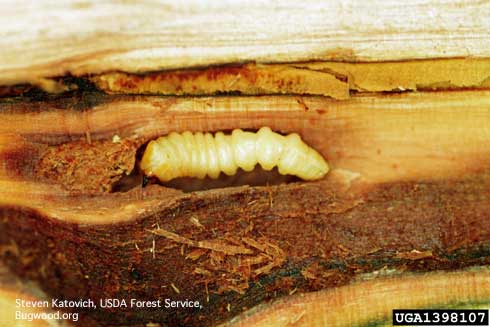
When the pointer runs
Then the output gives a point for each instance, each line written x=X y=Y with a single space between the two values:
x=40 y=39
x=13 y=290
x=395 y=97
x=10 y=313
x=372 y=138
x=408 y=191
x=371 y=302
x=233 y=249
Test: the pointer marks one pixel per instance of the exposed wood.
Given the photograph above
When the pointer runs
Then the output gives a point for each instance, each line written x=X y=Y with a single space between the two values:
x=416 y=75
x=409 y=191
x=13 y=290
x=248 y=250
x=245 y=79
x=360 y=304
x=8 y=310
x=334 y=79
x=375 y=139
x=42 y=40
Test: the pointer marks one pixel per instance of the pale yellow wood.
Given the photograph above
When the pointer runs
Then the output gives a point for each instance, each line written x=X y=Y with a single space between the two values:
x=42 y=39
x=418 y=75
x=360 y=303
x=13 y=316
x=13 y=290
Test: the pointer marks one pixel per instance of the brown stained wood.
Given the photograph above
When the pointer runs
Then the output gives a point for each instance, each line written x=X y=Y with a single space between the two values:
x=334 y=79
x=248 y=250
x=408 y=191
x=87 y=166
x=42 y=41
x=363 y=302
x=245 y=79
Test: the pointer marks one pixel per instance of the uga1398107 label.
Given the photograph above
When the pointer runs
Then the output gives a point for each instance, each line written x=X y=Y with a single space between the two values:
x=441 y=317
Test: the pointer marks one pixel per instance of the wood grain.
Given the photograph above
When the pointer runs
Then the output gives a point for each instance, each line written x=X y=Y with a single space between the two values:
x=372 y=301
x=40 y=39
x=409 y=191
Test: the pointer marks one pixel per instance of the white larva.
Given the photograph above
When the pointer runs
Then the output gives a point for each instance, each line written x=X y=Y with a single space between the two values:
x=200 y=154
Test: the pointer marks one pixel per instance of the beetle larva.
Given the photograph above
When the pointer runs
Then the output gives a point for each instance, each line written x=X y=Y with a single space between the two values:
x=200 y=154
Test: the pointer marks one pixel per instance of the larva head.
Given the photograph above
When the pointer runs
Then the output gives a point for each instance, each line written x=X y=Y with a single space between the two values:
x=300 y=160
x=316 y=167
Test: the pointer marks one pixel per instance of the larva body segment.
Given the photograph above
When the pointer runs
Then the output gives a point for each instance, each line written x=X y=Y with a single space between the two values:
x=200 y=154
x=243 y=144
